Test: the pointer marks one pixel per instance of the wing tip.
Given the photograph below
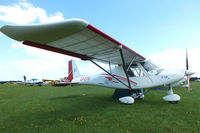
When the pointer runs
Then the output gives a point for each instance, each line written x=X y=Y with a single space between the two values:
x=78 y=19
x=23 y=32
x=72 y=20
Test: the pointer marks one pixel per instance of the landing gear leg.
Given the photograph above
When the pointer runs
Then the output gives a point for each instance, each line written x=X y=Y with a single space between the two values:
x=121 y=93
x=136 y=94
x=170 y=91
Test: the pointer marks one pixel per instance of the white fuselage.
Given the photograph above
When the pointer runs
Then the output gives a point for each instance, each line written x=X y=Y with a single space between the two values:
x=164 y=78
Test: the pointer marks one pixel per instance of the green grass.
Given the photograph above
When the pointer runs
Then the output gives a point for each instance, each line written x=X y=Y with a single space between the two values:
x=25 y=109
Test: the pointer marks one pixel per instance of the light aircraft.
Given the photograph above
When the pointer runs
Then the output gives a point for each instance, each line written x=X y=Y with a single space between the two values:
x=33 y=81
x=3 y=82
x=49 y=81
x=197 y=80
x=63 y=81
x=76 y=37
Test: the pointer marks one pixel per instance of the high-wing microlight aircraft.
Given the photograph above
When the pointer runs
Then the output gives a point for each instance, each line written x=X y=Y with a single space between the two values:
x=76 y=37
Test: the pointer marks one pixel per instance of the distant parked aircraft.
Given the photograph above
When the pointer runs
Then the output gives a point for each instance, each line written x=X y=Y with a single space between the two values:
x=3 y=82
x=33 y=81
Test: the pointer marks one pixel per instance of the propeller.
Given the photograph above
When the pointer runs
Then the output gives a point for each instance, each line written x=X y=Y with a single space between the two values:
x=187 y=71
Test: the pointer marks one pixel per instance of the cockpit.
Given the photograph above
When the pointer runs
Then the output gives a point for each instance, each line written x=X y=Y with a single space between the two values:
x=150 y=67
x=142 y=68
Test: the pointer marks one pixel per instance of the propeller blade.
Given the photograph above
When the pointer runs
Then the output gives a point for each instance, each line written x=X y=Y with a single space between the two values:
x=187 y=65
x=188 y=80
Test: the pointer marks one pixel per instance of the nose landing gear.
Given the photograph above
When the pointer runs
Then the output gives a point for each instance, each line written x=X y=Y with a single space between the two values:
x=171 y=97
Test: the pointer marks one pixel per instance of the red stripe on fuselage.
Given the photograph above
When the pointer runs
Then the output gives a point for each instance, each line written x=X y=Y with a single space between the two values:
x=122 y=78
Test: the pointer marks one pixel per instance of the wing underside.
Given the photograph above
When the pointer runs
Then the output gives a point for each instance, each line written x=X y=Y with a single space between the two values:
x=75 y=38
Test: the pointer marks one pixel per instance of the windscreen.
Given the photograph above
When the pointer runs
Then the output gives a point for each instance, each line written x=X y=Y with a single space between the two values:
x=150 y=67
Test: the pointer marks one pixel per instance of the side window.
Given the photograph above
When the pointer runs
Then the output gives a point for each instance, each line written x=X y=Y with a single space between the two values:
x=131 y=73
x=135 y=71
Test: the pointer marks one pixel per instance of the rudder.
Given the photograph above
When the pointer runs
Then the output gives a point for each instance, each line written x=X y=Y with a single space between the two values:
x=73 y=71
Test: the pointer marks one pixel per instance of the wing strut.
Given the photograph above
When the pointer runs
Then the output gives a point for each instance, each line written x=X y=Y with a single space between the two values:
x=141 y=67
x=124 y=67
x=110 y=67
x=130 y=63
x=109 y=73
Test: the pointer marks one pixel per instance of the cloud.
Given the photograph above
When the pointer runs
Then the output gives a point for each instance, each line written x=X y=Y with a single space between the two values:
x=45 y=64
x=33 y=68
x=17 y=45
x=129 y=43
x=40 y=52
x=176 y=58
x=132 y=42
x=38 y=67
x=24 y=13
x=91 y=69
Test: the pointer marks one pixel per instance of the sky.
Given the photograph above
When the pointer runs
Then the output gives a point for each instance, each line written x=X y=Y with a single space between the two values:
x=159 y=30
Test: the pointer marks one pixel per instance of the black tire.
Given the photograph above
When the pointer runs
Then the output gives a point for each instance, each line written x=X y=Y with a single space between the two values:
x=173 y=102
x=139 y=98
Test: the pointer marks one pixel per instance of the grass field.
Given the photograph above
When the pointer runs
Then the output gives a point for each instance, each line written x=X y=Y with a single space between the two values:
x=25 y=109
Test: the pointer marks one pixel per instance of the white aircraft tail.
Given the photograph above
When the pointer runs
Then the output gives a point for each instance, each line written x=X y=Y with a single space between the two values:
x=73 y=71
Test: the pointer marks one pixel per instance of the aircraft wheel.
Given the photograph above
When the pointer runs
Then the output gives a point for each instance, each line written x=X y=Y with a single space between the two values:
x=139 y=98
x=173 y=102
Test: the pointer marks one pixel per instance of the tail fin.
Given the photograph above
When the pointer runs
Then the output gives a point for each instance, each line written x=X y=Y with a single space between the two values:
x=73 y=71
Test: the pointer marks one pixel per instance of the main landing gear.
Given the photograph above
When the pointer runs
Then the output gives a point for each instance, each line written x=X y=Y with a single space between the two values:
x=127 y=96
x=136 y=94
x=171 y=97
